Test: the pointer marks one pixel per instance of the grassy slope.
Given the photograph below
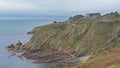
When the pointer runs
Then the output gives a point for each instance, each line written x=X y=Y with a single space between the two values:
x=105 y=59
x=88 y=34
x=80 y=37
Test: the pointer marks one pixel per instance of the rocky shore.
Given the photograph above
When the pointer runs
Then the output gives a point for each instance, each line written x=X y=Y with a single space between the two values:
x=45 y=56
x=15 y=47
x=39 y=56
x=57 y=59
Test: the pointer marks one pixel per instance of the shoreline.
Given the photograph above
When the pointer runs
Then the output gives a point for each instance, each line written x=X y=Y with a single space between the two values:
x=57 y=58
x=40 y=56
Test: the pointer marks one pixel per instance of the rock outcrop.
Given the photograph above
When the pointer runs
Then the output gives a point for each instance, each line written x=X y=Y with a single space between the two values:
x=16 y=48
x=93 y=15
x=77 y=17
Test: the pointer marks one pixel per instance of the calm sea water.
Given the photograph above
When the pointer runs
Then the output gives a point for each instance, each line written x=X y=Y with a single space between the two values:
x=15 y=28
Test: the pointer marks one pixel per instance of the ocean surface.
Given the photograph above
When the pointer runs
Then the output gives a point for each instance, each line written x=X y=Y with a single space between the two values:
x=13 y=29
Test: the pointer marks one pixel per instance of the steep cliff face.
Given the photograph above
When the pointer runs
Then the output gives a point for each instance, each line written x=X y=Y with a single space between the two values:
x=78 y=37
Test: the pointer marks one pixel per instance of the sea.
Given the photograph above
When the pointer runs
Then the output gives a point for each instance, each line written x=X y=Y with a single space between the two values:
x=13 y=29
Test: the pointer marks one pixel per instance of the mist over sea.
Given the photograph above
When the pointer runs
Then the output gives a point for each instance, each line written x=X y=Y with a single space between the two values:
x=15 y=28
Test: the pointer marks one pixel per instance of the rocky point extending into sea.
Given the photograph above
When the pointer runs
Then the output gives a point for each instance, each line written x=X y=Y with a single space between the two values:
x=73 y=41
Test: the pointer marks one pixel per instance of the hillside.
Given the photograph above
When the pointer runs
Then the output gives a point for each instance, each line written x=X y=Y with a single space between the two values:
x=82 y=36
x=106 y=59
x=78 y=36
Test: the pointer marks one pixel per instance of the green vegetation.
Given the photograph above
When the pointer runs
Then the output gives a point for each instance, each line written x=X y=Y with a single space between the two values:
x=115 y=66
x=79 y=35
x=90 y=33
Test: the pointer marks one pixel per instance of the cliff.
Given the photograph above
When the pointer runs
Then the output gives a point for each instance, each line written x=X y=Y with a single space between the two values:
x=79 y=37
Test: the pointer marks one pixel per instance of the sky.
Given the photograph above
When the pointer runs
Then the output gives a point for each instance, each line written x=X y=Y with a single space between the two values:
x=56 y=7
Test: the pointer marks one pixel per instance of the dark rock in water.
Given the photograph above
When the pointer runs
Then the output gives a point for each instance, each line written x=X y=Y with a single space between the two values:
x=19 y=43
x=17 y=47
x=30 y=32
x=10 y=47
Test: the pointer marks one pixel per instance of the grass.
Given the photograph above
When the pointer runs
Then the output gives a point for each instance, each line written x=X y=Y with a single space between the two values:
x=106 y=59
x=76 y=40
x=115 y=66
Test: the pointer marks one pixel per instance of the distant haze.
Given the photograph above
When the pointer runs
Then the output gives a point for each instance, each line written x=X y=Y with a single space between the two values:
x=56 y=7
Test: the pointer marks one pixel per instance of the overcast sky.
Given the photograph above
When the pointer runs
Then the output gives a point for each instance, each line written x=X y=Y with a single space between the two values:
x=57 y=7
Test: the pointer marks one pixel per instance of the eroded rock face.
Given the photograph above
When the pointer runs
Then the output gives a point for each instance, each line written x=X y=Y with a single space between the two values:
x=45 y=56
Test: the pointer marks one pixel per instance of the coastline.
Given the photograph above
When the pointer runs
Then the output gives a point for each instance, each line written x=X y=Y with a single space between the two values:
x=56 y=58
x=73 y=41
x=13 y=30
x=41 y=56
